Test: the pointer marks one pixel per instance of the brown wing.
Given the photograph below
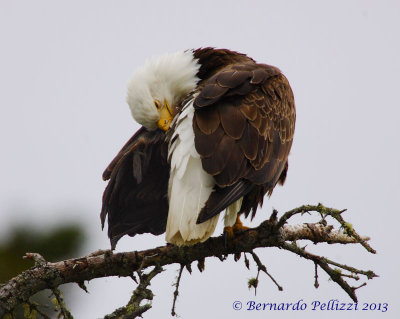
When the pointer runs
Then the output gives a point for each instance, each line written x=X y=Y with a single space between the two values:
x=243 y=124
x=136 y=197
x=136 y=139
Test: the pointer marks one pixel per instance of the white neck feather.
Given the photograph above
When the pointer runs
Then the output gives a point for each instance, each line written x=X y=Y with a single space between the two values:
x=169 y=77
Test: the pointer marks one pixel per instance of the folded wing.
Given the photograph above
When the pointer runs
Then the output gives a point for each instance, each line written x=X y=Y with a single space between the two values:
x=136 y=197
x=243 y=125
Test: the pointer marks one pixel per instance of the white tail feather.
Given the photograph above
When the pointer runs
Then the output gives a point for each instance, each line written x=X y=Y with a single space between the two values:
x=231 y=213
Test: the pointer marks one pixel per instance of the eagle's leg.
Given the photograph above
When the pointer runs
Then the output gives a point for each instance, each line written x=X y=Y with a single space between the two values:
x=236 y=228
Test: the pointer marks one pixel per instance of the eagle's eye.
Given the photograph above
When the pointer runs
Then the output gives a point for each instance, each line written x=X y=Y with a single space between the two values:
x=158 y=104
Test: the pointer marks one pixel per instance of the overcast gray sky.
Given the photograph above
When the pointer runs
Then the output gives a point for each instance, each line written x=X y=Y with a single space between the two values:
x=64 y=66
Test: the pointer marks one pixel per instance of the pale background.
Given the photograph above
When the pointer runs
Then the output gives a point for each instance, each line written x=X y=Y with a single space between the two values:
x=64 y=66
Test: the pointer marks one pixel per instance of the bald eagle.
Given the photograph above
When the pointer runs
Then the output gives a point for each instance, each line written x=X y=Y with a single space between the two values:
x=217 y=128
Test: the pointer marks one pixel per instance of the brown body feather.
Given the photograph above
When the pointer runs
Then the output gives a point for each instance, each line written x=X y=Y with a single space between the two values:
x=243 y=124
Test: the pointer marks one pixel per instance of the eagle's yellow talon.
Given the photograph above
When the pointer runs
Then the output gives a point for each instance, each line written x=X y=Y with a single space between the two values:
x=236 y=228
x=229 y=232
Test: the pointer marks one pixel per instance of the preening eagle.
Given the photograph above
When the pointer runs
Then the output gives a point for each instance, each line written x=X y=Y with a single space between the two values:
x=217 y=128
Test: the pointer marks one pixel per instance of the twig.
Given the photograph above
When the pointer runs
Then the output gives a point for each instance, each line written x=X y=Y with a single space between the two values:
x=351 y=276
x=316 y=284
x=37 y=258
x=200 y=263
x=83 y=286
x=133 y=308
x=264 y=269
x=59 y=303
x=142 y=264
x=246 y=261
x=176 y=292
x=335 y=275
x=326 y=211
x=189 y=268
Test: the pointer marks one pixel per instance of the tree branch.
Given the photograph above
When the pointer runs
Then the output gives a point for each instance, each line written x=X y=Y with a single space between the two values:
x=133 y=309
x=270 y=233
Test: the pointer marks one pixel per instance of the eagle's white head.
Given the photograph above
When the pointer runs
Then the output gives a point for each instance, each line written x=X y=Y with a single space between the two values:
x=159 y=85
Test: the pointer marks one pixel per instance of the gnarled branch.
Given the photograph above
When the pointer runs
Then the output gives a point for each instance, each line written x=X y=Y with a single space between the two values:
x=270 y=233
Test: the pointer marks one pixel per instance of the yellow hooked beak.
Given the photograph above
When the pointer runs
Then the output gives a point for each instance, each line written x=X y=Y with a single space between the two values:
x=166 y=115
